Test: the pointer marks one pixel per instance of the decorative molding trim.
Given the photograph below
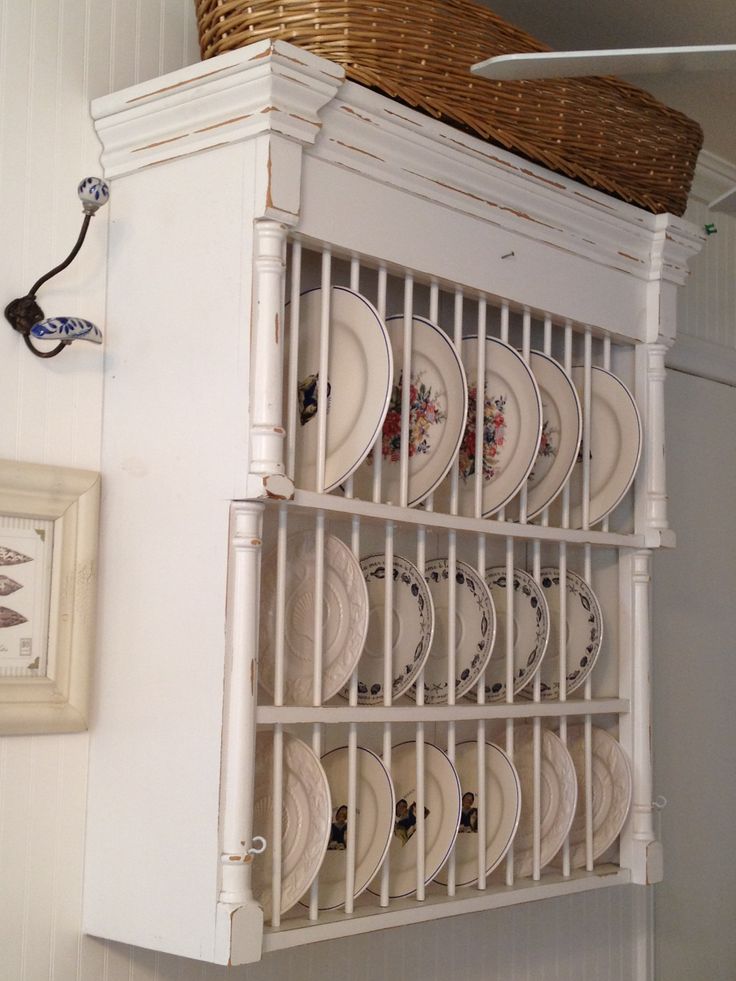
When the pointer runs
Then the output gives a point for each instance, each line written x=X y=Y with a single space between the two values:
x=714 y=176
x=58 y=700
x=703 y=359
x=268 y=87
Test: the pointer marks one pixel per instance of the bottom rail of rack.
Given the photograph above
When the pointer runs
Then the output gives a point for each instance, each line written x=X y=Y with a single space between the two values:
x=367 y=916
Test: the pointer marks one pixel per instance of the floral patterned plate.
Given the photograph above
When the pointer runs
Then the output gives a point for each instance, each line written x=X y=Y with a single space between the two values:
x=615 y=447
x=360 y=370
x=612 y=789
x=438 y=409
x=503 y=809
x=441 y=817
x=373 y=823
x=511 y=432
x=584 y=633
x=412 y=628
x=475 y=630
x=562 y=428
x=305 y=821
x=530 y=632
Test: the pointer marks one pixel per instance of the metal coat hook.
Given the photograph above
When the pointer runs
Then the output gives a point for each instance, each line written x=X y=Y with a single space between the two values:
x=26 y=316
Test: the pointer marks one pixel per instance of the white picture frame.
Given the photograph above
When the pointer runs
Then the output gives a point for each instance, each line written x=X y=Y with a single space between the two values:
x=65 y=503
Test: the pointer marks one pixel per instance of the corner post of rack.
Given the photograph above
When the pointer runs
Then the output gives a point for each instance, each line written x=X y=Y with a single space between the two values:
x=640 y=851
x=267 y=477
x=651 y=494
x=239 y=917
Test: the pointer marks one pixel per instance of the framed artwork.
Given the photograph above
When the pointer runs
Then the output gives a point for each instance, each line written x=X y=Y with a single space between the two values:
x=48 y=580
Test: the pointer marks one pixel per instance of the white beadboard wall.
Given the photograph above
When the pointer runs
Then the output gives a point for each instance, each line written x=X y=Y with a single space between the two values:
x=56 y=55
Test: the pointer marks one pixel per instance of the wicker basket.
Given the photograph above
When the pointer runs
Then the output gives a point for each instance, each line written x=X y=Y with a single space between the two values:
x=604 y=132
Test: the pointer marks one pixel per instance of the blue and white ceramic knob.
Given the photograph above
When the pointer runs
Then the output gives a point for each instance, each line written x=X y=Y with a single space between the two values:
x=93 y=193
x=66 y=329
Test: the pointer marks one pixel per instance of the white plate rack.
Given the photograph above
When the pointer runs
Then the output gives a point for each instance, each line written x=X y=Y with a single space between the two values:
x=602 y=556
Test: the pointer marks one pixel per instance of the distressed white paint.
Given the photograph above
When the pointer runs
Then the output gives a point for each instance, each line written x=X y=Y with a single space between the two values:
x=54 y=56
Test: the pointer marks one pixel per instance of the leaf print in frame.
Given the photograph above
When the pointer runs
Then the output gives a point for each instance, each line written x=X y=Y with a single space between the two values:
x=8 y=556
x=8 y=585
x=10 y=618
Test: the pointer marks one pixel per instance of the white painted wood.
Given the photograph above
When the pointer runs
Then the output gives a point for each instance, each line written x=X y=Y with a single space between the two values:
x=624 y=61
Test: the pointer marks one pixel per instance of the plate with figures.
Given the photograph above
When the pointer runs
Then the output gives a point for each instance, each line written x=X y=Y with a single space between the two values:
x=305 y=819
x=441 y=817
x=584 y=632
x=558 y=797
x=612 y=789
x=511 y=431
x=359 y=379
x=412 y=628
x=372 y=825
x=559 y=444
x=475 y=630
x=502 y=809
x=530 y=631
x=344 y=619
x=616 y=439
x=438 y=400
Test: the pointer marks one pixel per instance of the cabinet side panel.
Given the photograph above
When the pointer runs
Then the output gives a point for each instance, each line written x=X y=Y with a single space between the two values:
x=174 y=453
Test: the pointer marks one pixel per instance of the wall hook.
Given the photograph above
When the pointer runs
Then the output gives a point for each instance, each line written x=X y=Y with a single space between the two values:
x=26 y=316
x=263 y=845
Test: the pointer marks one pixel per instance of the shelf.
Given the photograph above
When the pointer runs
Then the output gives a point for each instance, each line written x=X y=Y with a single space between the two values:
x=309 y=502
x=365 y=919
x=467 y=711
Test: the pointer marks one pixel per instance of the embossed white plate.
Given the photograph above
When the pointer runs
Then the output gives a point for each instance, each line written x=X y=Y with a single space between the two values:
x=562 y=428
x=612 y=788
x=441 y=820
x=373 y=826
x=360 y=372
x=438 y=409
x=584 y=633
x=512 y=429
x=530 y=631
x=412 y=628
x=559 y=792
x=475 y=629
x=615 y=447
x=345 y=618
x=305 y=822
x=503 y=809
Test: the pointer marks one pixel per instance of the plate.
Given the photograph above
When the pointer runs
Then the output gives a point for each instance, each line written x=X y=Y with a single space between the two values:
x=360 y=372
x=475 y=630
x=345 y=618
x=559 y=793
x=559 y=445
x=441 y=821
x=375 y=823
x=439 y=405
x=513 y=426
x=615 y=447
x=503 y=809
x=612 y=788
x=584 y=633
x=531 y=631
x=306 y=819
x=413 y=628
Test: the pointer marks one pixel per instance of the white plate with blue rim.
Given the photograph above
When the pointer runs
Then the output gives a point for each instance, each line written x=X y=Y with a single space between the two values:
x=530 y=631
x=584 y=632
x=438 y=404
x=372 y=824
x=441 y=817
x=475 y=630
x=412 y=623
x=502 y=810
x=359 y=380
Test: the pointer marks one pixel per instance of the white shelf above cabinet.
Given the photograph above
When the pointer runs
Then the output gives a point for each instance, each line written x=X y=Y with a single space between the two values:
x=218 y=171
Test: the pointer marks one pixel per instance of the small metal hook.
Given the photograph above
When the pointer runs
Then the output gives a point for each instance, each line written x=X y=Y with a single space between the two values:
x=260 y=850
x=660 y=803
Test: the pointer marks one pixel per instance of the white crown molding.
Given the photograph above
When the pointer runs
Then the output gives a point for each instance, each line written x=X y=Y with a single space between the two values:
x=714 y=176
x=267 y=87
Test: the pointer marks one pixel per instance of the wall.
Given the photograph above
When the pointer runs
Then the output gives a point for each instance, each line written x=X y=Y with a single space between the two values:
x=55 y=55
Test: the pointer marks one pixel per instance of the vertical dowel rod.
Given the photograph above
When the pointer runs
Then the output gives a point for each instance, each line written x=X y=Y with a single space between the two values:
x=276 y=828
x=587 y=385
x=607 y=367
x=378 y=445
x=419 y=740
x=588 y=722
x=319 y=592
x=406 y=385
x=526 y=354
x=481 y=743
x=480 y=401
x=324 y=361
x=505 y=322
x=509 y=650
x=293 y=367
x=353 y=817
x=537 y=741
